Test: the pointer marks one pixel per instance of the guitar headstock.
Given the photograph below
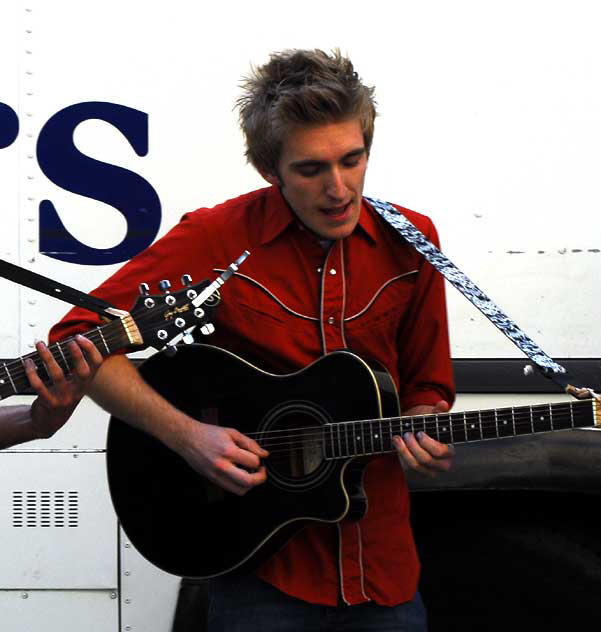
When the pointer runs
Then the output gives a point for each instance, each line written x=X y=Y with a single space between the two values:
x=168 y=318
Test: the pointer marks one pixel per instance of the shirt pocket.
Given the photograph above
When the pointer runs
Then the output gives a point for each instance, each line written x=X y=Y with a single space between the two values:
x=385 y=308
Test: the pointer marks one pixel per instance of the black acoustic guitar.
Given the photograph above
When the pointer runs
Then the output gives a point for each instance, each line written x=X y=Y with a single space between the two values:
x=320 y=426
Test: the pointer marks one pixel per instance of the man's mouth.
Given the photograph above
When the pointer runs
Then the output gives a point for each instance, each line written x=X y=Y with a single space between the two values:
x=336 y=211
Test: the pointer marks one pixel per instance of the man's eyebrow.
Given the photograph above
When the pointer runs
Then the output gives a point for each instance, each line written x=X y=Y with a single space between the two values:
x=354 y=153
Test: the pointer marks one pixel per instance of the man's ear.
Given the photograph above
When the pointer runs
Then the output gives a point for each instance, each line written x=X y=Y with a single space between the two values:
x=272 y=178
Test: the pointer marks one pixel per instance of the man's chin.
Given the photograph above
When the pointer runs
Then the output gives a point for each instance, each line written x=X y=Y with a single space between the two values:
x=332 y=233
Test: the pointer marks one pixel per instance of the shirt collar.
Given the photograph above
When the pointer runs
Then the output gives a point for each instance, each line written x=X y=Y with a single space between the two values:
x=278 y=216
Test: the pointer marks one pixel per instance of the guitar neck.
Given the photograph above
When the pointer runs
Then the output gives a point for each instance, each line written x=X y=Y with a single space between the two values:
x=107 y=339
x=374 y=436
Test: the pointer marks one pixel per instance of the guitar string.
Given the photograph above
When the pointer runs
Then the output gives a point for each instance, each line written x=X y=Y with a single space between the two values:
x=430 y=428
x=16 y=367
x=388 y=448
x=520 y=414
x=282 y=448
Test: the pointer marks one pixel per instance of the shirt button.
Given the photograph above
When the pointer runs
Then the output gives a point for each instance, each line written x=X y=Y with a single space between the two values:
x=332 y=271
x=331 y=320
x=318 y=269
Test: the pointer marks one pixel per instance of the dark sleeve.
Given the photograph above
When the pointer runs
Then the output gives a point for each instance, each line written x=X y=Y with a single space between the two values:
x=425 y=364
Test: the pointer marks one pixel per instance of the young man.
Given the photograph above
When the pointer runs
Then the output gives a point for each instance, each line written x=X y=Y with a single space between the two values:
x=56 y=402
x=325 y=274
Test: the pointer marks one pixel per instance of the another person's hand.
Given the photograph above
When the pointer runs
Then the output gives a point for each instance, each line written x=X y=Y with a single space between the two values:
x=57 y=400
x=420 y=452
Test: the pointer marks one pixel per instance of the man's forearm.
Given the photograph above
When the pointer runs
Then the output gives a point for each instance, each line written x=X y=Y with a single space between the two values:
x=15 y=426
x=120 y=390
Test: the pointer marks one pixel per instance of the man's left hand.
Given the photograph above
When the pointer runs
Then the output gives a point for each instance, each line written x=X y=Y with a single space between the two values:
x=420 y=452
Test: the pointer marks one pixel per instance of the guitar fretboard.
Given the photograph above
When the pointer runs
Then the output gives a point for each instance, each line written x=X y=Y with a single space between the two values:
x=374 y=436
x=107 y=339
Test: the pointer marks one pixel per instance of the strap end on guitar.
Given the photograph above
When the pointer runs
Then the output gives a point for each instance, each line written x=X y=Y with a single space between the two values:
x=582 y=393
x=565 y=381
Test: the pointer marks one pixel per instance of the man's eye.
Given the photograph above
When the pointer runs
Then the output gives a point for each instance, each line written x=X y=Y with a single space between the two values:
x=352 y=163
x=309 y=170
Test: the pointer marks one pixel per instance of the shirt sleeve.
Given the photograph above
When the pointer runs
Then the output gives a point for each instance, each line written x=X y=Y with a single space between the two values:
x=168 y=258
x=424 y=359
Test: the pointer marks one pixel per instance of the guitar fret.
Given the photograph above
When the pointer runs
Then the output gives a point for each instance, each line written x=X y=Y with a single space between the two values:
x=367 y=437
x=551 y=415
x=338 y=450
x=513 y=419
x=532 y=420
x=444 y=433
x=331 y=431
x=67 y=367
x=497 y=422
x=436 y=428
x=9 y=377
x=572 y=413
x=346 y=433
x=103 y=339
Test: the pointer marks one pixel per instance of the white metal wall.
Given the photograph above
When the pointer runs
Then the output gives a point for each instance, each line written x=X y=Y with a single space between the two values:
x=490 y=122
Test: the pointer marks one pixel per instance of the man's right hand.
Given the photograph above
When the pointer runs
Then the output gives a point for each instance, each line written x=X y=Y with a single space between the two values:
x=224 y=455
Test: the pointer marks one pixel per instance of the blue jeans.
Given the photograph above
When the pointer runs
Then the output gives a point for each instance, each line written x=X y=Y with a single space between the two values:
x=248 y=604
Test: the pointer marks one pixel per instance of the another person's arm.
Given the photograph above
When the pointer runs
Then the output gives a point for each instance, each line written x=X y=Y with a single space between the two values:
x=56 y=401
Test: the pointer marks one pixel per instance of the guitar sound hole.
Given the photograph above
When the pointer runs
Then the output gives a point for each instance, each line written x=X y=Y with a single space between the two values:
x=294 y=437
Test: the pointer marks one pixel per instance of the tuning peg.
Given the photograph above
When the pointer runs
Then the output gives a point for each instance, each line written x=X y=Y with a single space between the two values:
x=207 y=328
x=186 y=280
x=188 y=339
x=144 y=289
x=164 y=286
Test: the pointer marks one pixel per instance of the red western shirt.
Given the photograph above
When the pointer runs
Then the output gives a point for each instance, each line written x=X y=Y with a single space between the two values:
x=293 y=300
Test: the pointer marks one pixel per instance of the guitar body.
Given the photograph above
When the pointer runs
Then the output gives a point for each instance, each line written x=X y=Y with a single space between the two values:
x=186 y=525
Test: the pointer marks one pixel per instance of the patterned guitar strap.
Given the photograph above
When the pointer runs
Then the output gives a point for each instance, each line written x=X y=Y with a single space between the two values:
x=547 y=366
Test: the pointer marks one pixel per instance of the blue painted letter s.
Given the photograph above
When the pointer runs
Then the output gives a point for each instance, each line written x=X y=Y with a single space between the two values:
x=122 y=189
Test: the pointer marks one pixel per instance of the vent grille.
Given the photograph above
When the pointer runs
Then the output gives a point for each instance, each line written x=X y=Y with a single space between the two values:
x=45 y=509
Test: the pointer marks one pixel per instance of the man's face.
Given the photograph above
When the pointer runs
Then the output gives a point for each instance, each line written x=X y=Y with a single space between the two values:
x=321 y=173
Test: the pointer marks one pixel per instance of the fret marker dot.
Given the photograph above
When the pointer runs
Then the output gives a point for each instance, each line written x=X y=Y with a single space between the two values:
x=375 y=436
x=472 y=426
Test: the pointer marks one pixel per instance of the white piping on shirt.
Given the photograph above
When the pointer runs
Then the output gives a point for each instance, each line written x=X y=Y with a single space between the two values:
x=378 y=292
x=340 y=571
x=343 y=293
x=269 y=293
x=361 y=561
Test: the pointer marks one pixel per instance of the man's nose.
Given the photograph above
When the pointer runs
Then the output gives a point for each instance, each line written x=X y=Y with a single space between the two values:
x=335 y=187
